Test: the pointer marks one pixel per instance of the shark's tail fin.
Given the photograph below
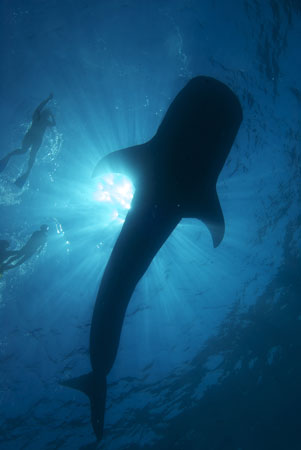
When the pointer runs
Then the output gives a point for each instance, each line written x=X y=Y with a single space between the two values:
x=96 y=390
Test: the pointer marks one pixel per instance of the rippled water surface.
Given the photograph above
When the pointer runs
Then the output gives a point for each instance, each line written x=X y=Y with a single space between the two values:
x=209 y=357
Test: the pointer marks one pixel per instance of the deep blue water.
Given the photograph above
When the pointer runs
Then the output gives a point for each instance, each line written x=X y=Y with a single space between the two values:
x=209 y=357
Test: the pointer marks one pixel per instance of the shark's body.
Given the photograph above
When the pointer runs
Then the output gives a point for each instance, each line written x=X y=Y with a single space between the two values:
x=175 y=176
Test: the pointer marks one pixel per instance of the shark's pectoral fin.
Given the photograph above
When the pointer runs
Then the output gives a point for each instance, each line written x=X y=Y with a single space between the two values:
x=96 y=389
x=213 y=218
x=130 y=161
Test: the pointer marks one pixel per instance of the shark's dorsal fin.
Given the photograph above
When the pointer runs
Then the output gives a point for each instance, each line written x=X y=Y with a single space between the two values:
x=213 y=218
x=130 y=161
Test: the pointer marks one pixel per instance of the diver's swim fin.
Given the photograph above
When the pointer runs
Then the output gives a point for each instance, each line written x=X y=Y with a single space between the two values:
x=96 y=390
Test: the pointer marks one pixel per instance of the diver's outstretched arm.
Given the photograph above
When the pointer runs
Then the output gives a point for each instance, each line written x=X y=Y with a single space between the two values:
x=38 y=110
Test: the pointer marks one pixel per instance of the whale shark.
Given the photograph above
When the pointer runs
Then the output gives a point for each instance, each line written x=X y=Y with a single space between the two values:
x=174 y=175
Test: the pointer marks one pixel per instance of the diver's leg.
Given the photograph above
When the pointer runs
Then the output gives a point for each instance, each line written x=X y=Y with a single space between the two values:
x=12 y=258
x=20 y=260
x=19 y=151
x=9 y=256
x=32 y=156
x=26 y=144
x=4 y=161
x=9 y=266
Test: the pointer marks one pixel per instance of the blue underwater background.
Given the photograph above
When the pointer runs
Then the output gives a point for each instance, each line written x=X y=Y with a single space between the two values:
x=209 y=357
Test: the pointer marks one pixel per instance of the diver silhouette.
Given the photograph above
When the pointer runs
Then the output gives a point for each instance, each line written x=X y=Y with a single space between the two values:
x=17 y=257
x=41 y=119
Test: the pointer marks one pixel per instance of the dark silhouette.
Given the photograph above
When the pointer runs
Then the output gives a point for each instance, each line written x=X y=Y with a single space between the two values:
x=41 y=119
x=17 y=257
x=175 y=176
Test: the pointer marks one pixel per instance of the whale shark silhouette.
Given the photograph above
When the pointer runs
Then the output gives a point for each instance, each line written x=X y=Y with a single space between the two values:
x=174 y=175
